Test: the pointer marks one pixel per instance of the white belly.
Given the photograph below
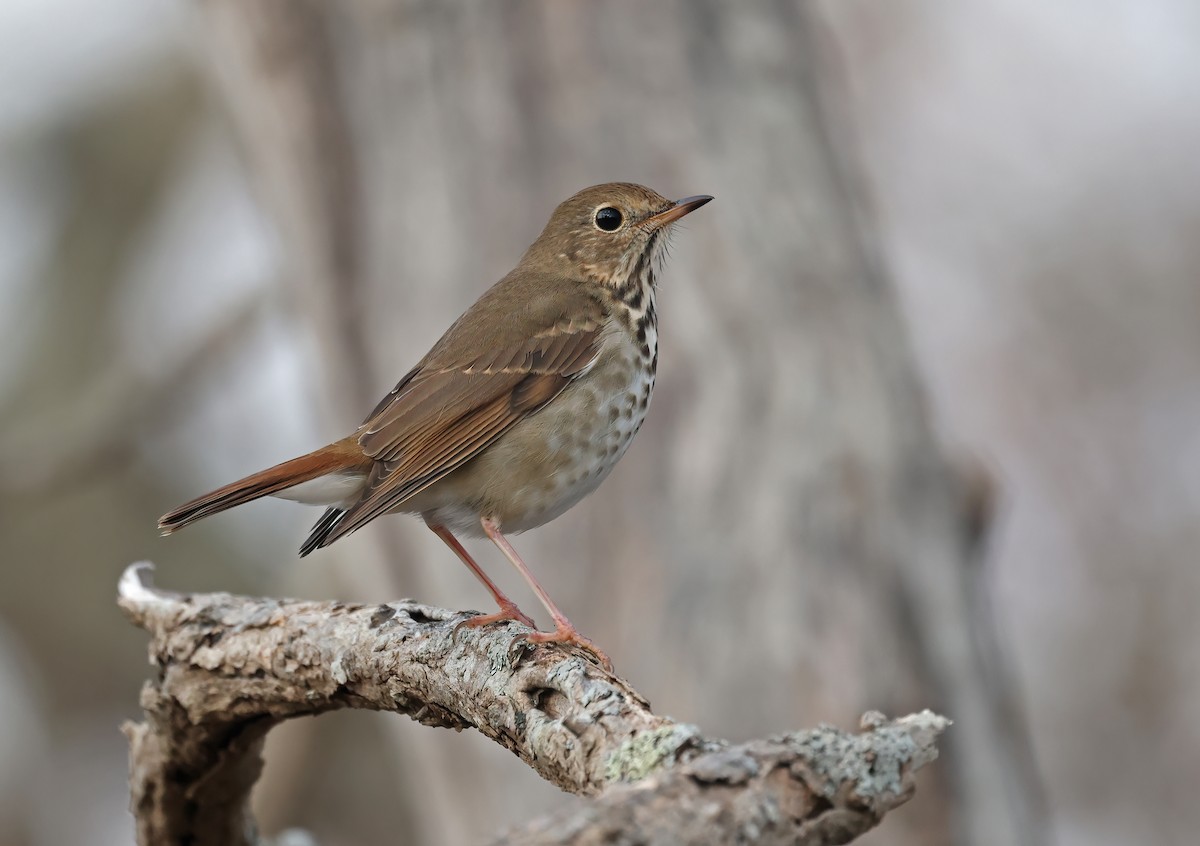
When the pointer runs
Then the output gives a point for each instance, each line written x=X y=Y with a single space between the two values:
x=341 y=489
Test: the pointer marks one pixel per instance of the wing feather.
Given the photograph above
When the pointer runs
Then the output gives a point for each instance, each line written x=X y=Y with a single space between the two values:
x=443 y=413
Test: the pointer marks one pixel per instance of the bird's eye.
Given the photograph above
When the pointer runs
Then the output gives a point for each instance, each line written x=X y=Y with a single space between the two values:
x=608 y=219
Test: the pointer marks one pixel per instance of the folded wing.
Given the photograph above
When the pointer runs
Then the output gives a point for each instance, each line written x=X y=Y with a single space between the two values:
x=452 y=406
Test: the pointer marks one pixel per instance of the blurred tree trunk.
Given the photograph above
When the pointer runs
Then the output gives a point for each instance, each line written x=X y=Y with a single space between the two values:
x=788 y=480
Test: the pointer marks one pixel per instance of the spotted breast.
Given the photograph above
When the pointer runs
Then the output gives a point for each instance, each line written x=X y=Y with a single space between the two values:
x=551 y=460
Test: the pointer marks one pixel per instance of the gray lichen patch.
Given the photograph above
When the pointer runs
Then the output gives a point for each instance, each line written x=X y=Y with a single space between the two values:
x=641 y=755
x=873 y=762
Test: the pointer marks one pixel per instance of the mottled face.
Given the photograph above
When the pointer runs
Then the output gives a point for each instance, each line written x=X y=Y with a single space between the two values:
x=610 y=233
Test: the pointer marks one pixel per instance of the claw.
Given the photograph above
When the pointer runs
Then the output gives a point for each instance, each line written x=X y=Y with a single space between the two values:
x=568 y=634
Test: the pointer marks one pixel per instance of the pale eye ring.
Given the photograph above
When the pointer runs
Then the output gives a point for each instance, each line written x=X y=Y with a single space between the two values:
x=609 y=219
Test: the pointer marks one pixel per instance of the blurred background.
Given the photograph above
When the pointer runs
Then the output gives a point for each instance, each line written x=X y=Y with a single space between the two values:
x=927 y=426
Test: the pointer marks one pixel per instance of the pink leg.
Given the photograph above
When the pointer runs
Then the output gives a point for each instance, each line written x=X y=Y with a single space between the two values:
x=563 y=632
x=508 y=608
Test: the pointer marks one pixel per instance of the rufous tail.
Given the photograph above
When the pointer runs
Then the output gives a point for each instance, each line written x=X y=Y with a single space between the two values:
x=339 y=456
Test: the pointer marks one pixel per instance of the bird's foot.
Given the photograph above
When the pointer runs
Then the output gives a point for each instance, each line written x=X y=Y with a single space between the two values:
x=508 y=611
x=567 y=633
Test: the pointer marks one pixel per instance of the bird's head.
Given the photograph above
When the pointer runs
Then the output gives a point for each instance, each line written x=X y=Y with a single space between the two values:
x=613 y=234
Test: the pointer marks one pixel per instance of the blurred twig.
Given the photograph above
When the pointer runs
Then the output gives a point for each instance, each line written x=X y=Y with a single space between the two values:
x=272 y=60
x=100 y=428
x=117 y=159
x=230 y=668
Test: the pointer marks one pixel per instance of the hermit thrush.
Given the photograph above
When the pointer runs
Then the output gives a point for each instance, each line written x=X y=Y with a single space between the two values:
x=519 y=411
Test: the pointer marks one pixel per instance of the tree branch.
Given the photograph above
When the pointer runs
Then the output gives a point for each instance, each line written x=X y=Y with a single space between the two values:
x=230 y=668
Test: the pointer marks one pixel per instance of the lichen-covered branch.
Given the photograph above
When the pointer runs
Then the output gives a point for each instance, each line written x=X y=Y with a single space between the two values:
x=230 y=668
x=817 y=786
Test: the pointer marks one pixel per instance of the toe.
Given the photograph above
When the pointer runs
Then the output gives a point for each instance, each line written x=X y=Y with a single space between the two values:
x=572 y=637
x=513 y=614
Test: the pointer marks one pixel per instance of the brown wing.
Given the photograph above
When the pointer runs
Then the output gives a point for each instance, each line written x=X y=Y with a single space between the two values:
x=443 y=413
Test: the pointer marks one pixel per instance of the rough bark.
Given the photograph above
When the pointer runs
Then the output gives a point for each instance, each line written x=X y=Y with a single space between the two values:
x=230 y=668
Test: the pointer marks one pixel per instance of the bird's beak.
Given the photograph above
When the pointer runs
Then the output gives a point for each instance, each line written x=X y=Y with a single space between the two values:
x=677 y=210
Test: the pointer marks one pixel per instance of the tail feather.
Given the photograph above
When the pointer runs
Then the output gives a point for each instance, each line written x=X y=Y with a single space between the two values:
x=321 y=530
x=337 y=457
